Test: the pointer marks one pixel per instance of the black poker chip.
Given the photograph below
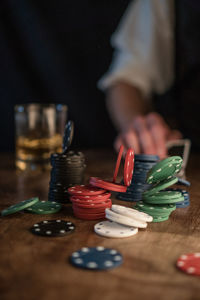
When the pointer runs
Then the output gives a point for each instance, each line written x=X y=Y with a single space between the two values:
x=53 y=228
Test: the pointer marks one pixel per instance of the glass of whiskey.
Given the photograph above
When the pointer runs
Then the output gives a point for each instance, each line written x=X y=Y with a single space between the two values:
x=39 y=132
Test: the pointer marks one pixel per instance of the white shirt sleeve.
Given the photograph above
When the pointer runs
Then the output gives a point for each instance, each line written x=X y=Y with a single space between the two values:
x=144 y=43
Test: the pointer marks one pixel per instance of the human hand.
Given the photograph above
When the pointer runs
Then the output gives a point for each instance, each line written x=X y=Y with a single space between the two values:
x=148 y=135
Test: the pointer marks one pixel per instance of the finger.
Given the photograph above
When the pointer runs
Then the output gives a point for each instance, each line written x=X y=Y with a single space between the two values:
x=117 y=143
x=159 y=137
x=130 y=140
x=174 y=135
x=159 y=131
x=145 y=138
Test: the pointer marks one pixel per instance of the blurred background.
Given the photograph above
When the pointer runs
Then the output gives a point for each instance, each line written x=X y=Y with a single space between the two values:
x=55 y=52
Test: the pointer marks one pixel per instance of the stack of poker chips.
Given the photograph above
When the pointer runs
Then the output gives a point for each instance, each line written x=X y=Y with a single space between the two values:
x=159 y=201
x=122 y=222
x=67 y=170
x=88 y=202
x=143 y=163
x=91 y=201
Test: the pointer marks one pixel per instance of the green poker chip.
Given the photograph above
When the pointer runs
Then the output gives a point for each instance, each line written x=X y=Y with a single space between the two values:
x=19 y=206
x=160 y=186
x=44 y=207
x=164 y=169
x=160 y=219
x=167 y=208
x=163 y=197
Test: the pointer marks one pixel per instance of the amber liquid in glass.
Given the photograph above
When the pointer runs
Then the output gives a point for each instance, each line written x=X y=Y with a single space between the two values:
x=33 y=153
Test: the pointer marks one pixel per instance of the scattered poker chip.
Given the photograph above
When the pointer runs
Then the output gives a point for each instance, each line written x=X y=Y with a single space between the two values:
x=121 y=219
x=118 y=163
x=132 y=213
x=19 y=206
x=165 y=169
x=85 y=190
x=189 y=263
x=128 y=167
x=53 y=228
x=44 y=207
x=98 y=258
x=114 y=230
x=107 y=185
x=68 y=136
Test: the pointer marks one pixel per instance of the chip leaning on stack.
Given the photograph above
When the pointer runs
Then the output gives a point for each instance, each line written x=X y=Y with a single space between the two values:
x=159 y=201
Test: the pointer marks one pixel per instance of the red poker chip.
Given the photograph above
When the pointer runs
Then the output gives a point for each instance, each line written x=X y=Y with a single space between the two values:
x=88 y=211
x=87 y=202
x=85 y=190
x=128 y=167
x=189 y=263
x=115 y=187
x=118 y=162
x=90 y=216
x=90 y=198
x=106 y=203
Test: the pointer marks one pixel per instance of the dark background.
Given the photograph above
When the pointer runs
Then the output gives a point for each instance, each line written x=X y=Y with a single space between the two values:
x=56 y=51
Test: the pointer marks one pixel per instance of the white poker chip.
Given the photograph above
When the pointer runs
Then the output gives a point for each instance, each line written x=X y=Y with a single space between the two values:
x=112 y=216
x=132 y=213
x=114 y=230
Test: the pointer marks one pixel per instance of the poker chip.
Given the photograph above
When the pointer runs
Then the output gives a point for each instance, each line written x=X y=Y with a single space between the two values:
x=44 y=207
x=88 y=202
x=189 y=263
x=101 y=197
x=182 y=181
x=19 y=206
x=132 y=213
x=89 y=217
x=68 y=136
x=160 y=219
x=128 y=167
x=114 y=230
x=107 y=185
x=67 y=170
x=98 y=258
x=164 y=197
x=160 y=186
x=159 y=212
x=85 y=190
x=121 y=219
x=165 y=169
x=93 y=204
x=53 y=228
x=146 y=158
x=118 y=162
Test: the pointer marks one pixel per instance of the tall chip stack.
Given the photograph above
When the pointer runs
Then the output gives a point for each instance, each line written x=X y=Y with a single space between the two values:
x=143 y=163
x=67 y=169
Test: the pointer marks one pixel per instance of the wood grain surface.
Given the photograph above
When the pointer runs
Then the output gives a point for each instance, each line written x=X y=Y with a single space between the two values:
x=33 y=267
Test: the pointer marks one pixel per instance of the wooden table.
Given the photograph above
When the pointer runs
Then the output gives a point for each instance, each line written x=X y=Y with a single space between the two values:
x=35 y=267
